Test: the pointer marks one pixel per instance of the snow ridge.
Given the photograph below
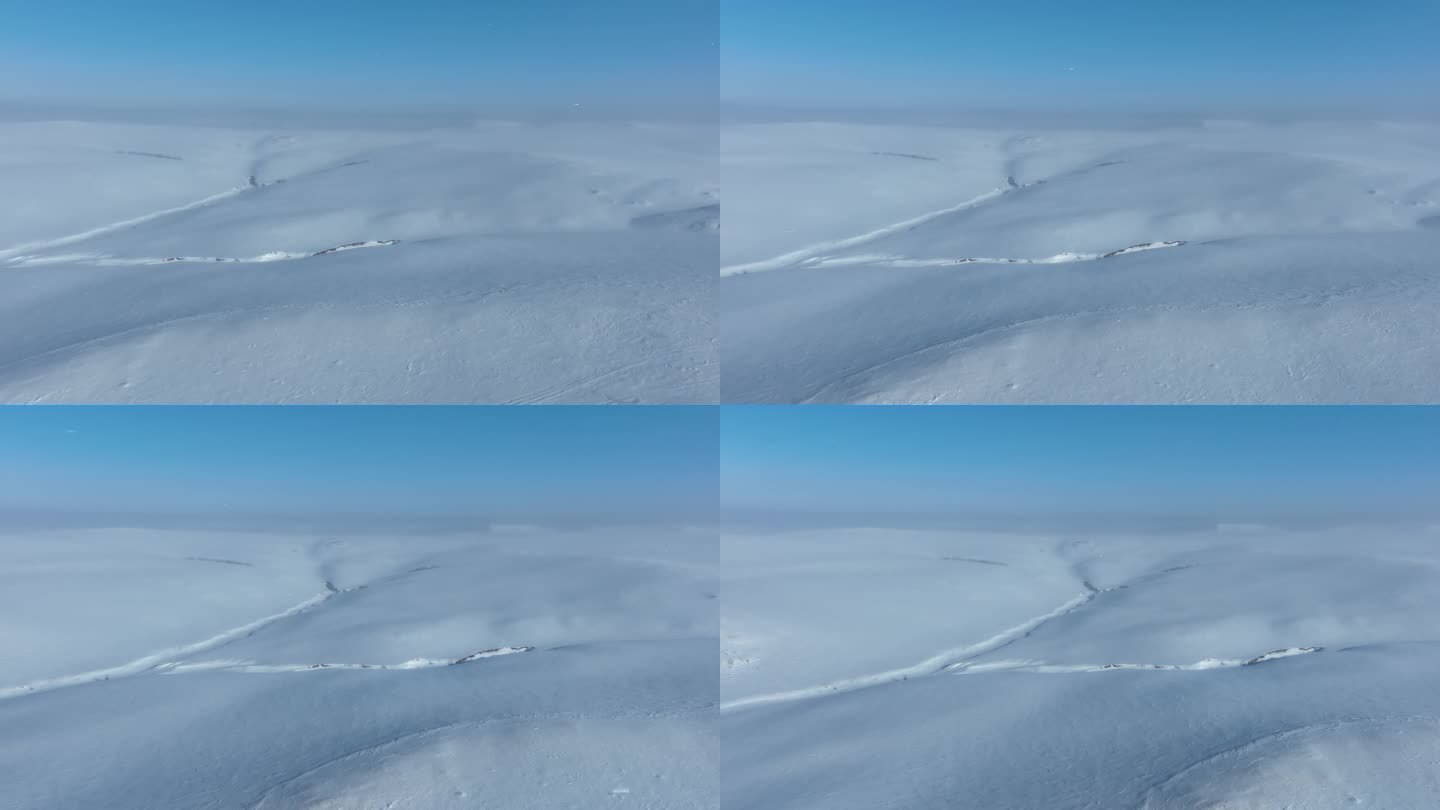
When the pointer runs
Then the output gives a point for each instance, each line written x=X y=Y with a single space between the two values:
x=930 y=666
x=803 y=254
x=163 y=658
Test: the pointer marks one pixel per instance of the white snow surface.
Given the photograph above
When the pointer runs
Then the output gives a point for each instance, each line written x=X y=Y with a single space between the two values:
x=536 y=669
x=1244 y=264
x=897 y=669
x=503 y=263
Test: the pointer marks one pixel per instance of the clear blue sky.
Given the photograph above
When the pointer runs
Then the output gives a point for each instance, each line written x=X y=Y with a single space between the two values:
x=344 y=53
x=385 y=461
x=1025 y=53
x=1233 y=463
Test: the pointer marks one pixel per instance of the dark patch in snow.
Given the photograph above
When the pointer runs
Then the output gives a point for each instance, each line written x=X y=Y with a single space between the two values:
x=159 y=154
x=491 y=653
x=1142 y=246
x=975 y=560
x=354 y=245
x=907 y=155
x=222 y=562
x=1285 y=653
x=1429 y=222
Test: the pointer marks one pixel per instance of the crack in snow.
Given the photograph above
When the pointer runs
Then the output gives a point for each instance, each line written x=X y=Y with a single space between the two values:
x=1068 y=257
x=253 y=667
x=815 y=255
x=961 y=660
x=967 y=668
x=104 y=260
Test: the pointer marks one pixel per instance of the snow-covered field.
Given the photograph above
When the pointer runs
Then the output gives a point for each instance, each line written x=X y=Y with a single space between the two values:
x=1224 y=262
x=500 y=263
x=1241 y=668
x=520 y=668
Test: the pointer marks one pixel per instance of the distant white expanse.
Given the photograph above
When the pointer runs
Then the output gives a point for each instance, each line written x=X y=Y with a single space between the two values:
x=499 y=263
x=1225 y=262
x=1246 y=668
x=523 y=668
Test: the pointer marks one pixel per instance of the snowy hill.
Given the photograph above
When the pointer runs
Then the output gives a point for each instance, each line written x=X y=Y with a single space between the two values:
x=1255 y=670
x=501 y=263
x=517 y=669
x=1209 y=264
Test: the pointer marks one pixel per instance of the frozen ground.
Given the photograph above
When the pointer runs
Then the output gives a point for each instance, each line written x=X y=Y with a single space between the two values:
x=516 y=669
x=502 y=263
x=1227 y=262
x=1240 y=669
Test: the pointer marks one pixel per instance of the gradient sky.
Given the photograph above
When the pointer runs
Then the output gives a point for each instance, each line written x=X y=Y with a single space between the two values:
x=321 y=461
x=1233 y=463
x=1216 y=54
x=343 y=53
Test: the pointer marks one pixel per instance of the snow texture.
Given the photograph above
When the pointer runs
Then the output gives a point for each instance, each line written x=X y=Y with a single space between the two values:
x=912 y=669
x=209 y=671
x=1244 y=264
x=503 y=263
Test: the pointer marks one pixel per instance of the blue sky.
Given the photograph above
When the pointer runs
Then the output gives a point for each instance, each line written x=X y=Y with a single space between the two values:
x=388 y=461
x=1233 y=463
x=421 y=53
x=1215 y=54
